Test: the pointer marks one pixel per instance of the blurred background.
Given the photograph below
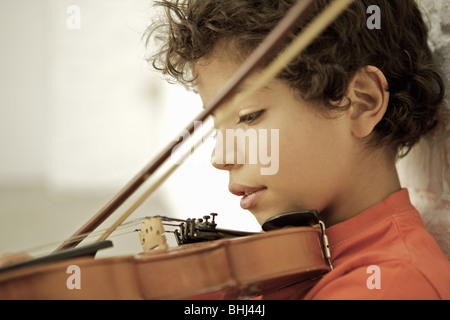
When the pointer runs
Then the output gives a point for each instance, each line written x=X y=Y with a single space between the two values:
x=81 y=112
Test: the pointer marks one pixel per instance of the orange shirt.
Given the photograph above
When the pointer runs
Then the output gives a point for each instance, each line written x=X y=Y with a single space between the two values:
x=382 y=253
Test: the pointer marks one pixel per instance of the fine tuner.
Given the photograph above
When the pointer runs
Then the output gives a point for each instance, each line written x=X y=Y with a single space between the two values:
x=191 y=230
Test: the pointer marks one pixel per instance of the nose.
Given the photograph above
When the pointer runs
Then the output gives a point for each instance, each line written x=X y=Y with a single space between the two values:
x=224 y=155
x=219 y=163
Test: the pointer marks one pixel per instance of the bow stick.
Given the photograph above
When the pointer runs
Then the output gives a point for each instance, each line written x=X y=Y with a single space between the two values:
x=274 y=39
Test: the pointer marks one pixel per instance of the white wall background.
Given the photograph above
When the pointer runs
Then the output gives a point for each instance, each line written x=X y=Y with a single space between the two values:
x=81 y=113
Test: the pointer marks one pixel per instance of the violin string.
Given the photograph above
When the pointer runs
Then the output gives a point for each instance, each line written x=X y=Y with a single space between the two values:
x=165 y=218
x=95 y=233
x=88 y=237
x=45 y=248
x=171 y=225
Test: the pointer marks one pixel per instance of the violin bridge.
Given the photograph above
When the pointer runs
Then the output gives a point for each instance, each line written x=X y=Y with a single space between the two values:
x=152 y=235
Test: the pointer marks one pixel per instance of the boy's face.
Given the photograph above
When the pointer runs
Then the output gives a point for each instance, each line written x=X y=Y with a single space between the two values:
x=315 y=154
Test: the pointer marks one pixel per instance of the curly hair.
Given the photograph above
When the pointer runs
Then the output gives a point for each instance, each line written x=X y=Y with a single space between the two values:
x=192 y=29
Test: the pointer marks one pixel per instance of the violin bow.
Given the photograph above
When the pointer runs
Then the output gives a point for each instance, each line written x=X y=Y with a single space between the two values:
x=255 y=60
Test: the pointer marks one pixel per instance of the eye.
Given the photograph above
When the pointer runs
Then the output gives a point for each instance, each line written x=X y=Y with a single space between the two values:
x=251 y=117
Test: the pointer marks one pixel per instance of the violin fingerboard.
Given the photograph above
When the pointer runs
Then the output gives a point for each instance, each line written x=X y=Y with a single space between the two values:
x=152 y=235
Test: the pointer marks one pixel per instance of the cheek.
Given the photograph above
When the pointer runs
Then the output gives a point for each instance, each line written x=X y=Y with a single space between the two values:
x=311 y=157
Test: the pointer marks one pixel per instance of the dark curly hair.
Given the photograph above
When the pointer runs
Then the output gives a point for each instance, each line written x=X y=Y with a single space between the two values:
x=192 y=29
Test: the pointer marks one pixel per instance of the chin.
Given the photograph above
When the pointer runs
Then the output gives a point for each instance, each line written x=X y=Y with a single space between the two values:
x=261 y=217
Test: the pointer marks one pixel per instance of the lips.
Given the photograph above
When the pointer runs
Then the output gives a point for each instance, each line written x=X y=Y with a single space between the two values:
x=250 y=195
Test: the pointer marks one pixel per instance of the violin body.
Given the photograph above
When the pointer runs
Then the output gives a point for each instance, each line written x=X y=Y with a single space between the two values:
x=234 y=268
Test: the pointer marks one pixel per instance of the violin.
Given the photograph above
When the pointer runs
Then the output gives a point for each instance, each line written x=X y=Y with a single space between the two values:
x=210 y=263
x=228 y=265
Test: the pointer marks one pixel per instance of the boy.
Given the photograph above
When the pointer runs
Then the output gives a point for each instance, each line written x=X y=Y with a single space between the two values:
x=345 y=109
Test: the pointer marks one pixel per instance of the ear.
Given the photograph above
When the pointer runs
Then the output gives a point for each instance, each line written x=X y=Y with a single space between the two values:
x=368 y=90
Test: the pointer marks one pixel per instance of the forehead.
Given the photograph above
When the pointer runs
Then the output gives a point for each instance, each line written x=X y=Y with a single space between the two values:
x=212 y=74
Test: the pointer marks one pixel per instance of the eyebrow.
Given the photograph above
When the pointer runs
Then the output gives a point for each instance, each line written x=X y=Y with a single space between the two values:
x=239 y=89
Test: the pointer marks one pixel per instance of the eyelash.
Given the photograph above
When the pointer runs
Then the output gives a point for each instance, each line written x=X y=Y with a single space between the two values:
x=251 y=117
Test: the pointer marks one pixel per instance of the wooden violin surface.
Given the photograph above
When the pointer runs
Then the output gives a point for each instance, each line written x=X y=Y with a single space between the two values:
x=223 y=269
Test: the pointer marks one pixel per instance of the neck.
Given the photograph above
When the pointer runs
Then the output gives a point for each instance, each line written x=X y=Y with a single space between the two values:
x=367 y=188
